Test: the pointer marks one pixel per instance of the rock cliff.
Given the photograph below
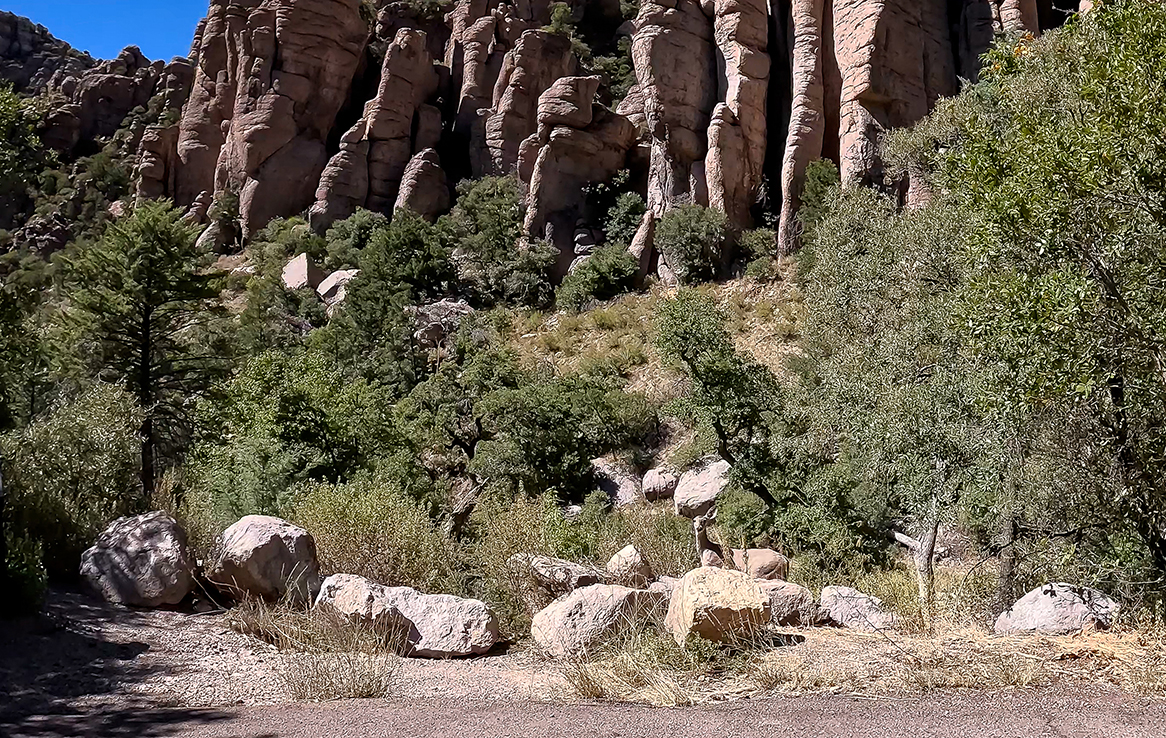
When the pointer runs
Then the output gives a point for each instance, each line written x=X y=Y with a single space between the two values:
x=326 y=106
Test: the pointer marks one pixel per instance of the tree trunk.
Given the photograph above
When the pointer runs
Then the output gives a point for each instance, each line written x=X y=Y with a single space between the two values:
x=925 y=568
x=149 y=480
x=3 y=538
x=1006 y=584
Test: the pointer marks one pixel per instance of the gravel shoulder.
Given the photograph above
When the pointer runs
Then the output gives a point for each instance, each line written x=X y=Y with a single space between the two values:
x=89 y=669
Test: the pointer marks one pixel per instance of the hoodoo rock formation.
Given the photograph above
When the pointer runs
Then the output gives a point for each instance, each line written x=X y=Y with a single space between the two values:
x=317 y=106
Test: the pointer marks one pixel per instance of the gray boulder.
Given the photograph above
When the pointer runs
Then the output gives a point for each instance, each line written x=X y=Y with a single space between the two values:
x=697 y=490
x=619 y=483
x=790 y=604
x=266 y=557
x=363 y=602
x=1058 y=608
x=659 y=484
x=556 y=576
x=576 y=623
x=444 y=626
x=143 y=561
x=849 y=608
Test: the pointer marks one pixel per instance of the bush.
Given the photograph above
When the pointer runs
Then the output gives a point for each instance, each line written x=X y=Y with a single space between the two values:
x=609 y=272
x=760 y=246
x=70 y=473
x=282 y=420
x=375 y=526
x=23 y=575
x=349 y=237
x=623 y=219
x=694 y=242
x=495 y=262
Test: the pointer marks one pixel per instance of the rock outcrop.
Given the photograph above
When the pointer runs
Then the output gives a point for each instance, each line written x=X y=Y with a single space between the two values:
x=375 y=152
x=1058 y=608
x=315 y=104
x=262 y=556
x=270 y=82
x=143 y=561
x=33 y=60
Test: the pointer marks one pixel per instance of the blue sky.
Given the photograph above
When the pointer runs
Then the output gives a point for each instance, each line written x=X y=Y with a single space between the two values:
x=161 y=28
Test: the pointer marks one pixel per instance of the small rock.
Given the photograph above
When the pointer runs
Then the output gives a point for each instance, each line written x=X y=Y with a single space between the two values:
x=717 y=605
x=556 y=576
x=664 y=584
x=143 y=561
x=1058 y=608
x=618 y=482
x=697 y=489
x=334 y=288
x=575 y=623
x=850 y=608
x=629 y=567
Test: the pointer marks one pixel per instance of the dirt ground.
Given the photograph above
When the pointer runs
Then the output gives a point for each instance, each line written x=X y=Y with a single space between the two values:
x=88 y=669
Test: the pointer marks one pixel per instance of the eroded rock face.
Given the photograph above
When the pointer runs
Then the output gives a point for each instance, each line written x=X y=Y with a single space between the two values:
x=142 y=561
x=374 y=154
x=578 y=622
x=266 y=557
x=1058 y=608
x=424 y=187
x=271 y=79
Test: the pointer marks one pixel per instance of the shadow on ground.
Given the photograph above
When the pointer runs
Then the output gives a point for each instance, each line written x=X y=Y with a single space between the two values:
x=61 y=676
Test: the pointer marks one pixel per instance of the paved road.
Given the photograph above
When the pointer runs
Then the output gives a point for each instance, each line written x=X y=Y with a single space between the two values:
x=974 y=715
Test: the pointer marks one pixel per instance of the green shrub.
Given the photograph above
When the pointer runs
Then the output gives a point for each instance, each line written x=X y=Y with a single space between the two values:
x=495 y=262
x=349 y=237
x=623 y=219
x=282 y=420
x=375 y=526
x=24 y=576
x=759 y=245
x=694 y=241
x=71 y=472
x=609 y=272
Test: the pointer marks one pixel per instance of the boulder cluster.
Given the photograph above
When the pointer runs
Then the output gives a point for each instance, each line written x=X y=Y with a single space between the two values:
x=315 y=106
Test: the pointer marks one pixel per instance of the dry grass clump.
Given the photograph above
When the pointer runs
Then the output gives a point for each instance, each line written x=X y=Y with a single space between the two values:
x=322 y=655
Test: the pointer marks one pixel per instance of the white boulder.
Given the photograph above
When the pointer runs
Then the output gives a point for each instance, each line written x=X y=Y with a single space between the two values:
x=266 y=557
x=575 y=623
x=143 y=561
x=697 y=490
x=850 y=608
x=629 y=567
x=1058 y=608
x=444 y=626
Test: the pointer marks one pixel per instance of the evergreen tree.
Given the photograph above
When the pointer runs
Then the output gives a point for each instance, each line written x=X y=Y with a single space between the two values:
x=143 y=298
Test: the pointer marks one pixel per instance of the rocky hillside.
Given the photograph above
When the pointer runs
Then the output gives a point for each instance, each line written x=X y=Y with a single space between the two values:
x=326 y=106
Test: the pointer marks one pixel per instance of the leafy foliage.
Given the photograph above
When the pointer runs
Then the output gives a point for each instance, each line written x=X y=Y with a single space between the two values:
x=694 y=242
x=609 y=272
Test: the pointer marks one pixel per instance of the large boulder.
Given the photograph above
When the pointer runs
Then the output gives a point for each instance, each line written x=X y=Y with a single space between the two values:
x=575 y=623
x=696 y=492
x=628 y=566
x=436 y=322
x=1058 y=608
x=849 y=608
x=717 y=605
x=266 y=557
x=301 y=272
x=364 y=602
x=790 y=604
x=444 y=626
x=143 y=561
